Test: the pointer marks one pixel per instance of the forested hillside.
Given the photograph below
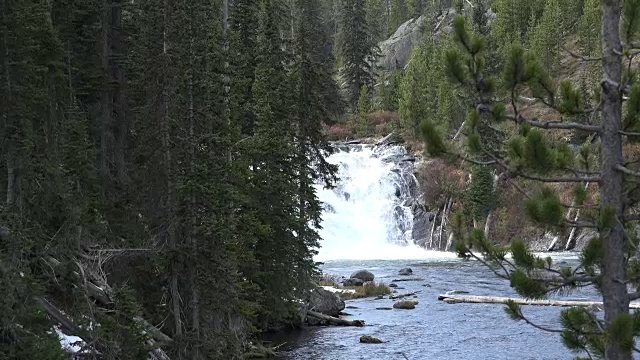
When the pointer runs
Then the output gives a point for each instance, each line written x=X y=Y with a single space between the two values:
x=158 y=161
x=159 y=158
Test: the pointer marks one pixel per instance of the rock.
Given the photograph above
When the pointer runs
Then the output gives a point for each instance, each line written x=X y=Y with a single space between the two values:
x=326 y=302
x=384 y=308
x=392 y=285
x=405 y=304
x=396 y=51
x=426 y=285
x=363 y=275
x=366 y=339
x=353 y=282
x=352 y=307
x=405 y=271
x=379 y=297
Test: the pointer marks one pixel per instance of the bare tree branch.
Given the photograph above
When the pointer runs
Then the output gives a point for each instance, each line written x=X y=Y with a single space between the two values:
x=581 y=57
x=555 y=124
x=627 y=171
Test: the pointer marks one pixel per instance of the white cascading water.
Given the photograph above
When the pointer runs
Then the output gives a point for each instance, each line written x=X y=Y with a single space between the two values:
x=364 y=218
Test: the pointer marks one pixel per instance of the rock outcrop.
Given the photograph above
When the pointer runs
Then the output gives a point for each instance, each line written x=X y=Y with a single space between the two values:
x=326 y=302
x=396 y=51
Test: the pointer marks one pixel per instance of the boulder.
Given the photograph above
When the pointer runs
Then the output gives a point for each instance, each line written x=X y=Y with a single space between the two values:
x=366 y=339
x=405 y=271
x=353 y=282
x=326 y=302
x=405 y=304
x=392 y=285
x=396 y=50
x=363 y=275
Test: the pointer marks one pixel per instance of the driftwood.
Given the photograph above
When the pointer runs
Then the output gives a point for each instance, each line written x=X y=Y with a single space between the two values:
x=405 y=295
x=335 y=320
x=454 y=299
x=102 y=295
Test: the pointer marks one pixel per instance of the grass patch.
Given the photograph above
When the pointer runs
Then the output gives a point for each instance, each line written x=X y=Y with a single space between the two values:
x=368 y=290
x=327 y=282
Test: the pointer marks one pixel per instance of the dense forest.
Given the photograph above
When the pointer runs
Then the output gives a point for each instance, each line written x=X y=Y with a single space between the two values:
x=160 y=158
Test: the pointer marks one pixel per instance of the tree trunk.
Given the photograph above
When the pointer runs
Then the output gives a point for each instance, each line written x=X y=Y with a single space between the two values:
x=335 y=320
x=119 y=98
x=170 y=207
x=106 y=112
x=615 y=297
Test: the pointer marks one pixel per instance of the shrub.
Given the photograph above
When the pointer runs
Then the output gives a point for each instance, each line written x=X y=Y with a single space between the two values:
x=367 y=290
x=440 y=181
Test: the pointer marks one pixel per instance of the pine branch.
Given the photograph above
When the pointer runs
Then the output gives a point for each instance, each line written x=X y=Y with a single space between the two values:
x=539 y=327
x=588 y=179
x=556 y=124
x=629 y=133
x=627 y=171
x=581 y=57
x=634 y=296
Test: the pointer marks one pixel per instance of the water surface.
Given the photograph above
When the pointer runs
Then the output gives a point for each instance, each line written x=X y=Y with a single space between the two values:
x=434 y=330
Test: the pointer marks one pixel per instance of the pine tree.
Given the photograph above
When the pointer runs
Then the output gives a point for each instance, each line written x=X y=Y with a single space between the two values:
x=417 y=8
x=357 y=50
x=545 y=39
x=376 y=17
x=607 y=261
x=588 y=28
x=360 y=118
x=398 y=15
x=417 y=95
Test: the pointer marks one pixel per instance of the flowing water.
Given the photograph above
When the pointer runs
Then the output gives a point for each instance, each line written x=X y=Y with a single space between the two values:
x=363 y=230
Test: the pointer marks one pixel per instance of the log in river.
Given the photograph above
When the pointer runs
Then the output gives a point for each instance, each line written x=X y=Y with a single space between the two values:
x=454 y=299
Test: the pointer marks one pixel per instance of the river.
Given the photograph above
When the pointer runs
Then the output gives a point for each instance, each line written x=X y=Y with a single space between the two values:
x=366 y=225
x=434 y=330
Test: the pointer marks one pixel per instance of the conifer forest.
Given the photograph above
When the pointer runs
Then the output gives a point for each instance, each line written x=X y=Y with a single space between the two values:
x=161 y=160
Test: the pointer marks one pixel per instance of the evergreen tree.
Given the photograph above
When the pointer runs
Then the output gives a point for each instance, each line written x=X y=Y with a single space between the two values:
x=545 y=39
x=364 y=106
x=398 y=15
x=377 y=18
x=357 y=50
x=417 y=8
x=417 y=97
x=607 y=261
x=389 y=92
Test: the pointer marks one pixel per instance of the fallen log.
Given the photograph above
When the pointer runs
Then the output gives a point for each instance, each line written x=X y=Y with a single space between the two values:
x=455 y=299
x=335 y=320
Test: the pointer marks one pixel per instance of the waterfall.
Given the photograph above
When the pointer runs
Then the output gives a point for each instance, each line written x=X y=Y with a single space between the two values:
x=370 y=214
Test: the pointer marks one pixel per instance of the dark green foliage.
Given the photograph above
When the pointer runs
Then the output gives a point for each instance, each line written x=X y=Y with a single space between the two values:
x=528 y=286
x=357 y=48
x=545 y=208
x=143 y=141
x=481 y=192
x=432 y=138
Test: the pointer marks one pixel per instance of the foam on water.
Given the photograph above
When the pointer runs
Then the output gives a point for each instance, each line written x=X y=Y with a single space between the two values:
x=359 y=223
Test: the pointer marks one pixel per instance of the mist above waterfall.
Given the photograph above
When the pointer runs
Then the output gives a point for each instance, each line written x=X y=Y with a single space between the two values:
x=368 y=216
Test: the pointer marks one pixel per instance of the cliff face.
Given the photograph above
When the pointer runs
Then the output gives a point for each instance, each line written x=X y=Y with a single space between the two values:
x=396 y=51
